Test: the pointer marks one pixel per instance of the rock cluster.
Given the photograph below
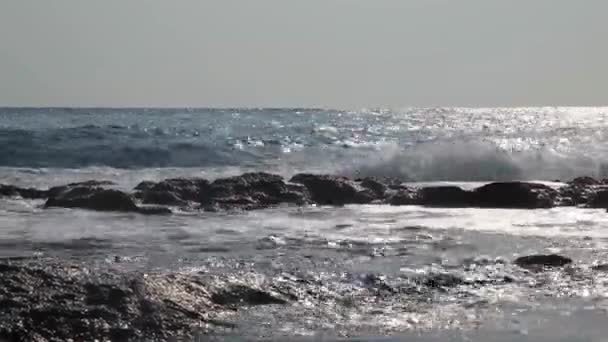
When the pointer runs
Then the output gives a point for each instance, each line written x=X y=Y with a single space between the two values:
x=262 y=190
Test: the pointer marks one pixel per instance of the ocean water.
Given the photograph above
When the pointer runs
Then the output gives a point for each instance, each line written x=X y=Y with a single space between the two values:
x=340 y=247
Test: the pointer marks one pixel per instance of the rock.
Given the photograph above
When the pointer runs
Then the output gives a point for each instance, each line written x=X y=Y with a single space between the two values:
x=439 y=280
x=174 y=191
x=94 y=198
x=163 y=198
x=403 y=197
x=334 y=190
x=539 y=261
x=254 y=190
x=444 y=196
x=27 y=193
x=56 y=190
x=515 y=195
x=375 y=185
x=145 y=185
x=600 y=268
x=579 y=191
x=584 y=181
x=66 y=302
x=153 y=210
x=599 y=200
x=244 y=295
x=97 y=198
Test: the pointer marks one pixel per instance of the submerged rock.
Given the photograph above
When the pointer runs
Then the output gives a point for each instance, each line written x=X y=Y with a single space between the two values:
x=540 y=260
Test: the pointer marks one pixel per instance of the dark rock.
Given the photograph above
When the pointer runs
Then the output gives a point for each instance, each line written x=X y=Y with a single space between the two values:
x=145 y=185
x=175 y=191
x=536 y=261
x=599 y=199
x=579 y=191
x=94 y=198
x=60 y=303
x=27 y=193
x=375 y=185
x=97 y=198
x=334 y=190
x=515 y=195
x=163 y=198
x=403 y=197
x=440 y=280
x=600 y=268
x=585 y=181
x=444 y=196
x=56 y=190
x=243 y=295
x=152 y=210
x=254 y=190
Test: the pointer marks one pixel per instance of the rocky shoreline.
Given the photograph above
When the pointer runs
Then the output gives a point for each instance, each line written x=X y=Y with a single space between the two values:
x=262 y=190
x=45 y=300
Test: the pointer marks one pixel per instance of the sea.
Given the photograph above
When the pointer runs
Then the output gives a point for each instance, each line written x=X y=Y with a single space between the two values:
x=343 y=247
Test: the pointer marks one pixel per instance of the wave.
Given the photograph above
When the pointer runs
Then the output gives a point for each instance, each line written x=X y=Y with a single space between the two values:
x=475 y=161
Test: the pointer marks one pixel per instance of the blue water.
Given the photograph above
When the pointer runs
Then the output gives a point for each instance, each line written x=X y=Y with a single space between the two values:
x=414 y=144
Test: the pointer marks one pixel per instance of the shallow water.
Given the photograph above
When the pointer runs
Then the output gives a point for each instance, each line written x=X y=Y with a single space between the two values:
x=341 y=248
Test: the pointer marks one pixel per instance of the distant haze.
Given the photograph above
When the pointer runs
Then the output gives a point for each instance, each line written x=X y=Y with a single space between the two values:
x=320 y=53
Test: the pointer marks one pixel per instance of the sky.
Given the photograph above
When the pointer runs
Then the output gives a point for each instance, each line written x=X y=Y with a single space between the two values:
x=307 y=53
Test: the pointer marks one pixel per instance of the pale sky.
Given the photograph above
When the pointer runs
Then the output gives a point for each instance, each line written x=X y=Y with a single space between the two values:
x=319 y=53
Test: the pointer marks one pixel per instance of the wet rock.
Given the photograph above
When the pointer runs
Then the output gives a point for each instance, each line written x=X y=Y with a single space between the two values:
x=439 y=280
x=403 y=197
x=582 y=191
x=154 y=210
x=540 y=260
x=97 y=198
x=334 y=190
x=244 y=295
x=58 y=190
x=60 y=303
x=375 y=185
x=174 y=191
x=599 y=199
x=145 y=185
x=584 y=181
x=444 y=196
x=515 y=195
x=94 y=198
x=27 y=193
x=254 y=190
x=163 y=198
x=600 y=268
